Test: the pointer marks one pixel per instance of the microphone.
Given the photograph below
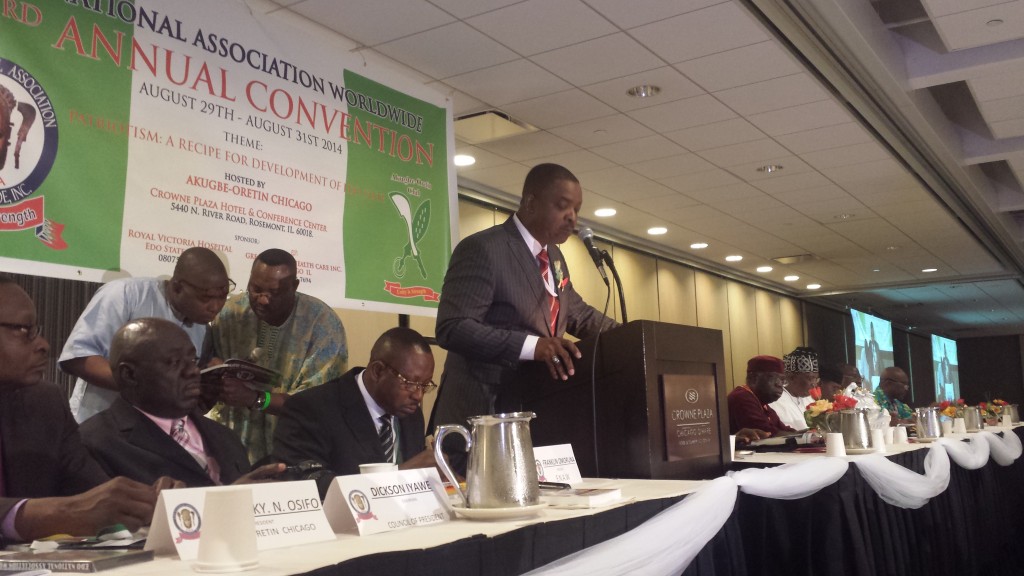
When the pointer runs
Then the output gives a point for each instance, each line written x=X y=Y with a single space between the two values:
x=587 y=235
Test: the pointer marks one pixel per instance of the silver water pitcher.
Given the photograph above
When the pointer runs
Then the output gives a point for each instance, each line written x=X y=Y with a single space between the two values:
x=972 y=418
x=854 y=426
x=1014 y=413
x=502 y=471
x=927 y=422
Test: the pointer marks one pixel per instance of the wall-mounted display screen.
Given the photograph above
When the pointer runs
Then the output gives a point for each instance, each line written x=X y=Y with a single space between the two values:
x=947 y=368
x=873 y=346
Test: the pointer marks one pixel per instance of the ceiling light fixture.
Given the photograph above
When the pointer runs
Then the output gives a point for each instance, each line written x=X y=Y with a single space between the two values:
x=733 y=258
x=604 y=212
x=791 y=278
x=769 y=168
x=657 y=230
x=464 y=160
x=813 y=286
x=994 y=22
x=644 y=91
x=927 y=270
x=764 y=269
x=699 y=245
x=843 y=216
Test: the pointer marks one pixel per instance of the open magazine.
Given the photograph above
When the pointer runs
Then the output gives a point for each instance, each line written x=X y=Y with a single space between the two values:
x=255 y=376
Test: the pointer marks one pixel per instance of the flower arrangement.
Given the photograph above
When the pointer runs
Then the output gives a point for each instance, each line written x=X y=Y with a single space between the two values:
x=952 y=409
x=992 y=410
x=817 y=411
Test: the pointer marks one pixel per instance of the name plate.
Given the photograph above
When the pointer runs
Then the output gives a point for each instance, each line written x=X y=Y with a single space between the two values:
x=286 y=514
x=373 y=503
x=557 y=464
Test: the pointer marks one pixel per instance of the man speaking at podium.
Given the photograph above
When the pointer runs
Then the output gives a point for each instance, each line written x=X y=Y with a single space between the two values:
x=507 y=299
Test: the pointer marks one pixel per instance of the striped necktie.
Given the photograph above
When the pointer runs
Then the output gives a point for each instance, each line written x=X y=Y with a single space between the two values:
x=387 y=438
x=545 y=270
x=180 y=435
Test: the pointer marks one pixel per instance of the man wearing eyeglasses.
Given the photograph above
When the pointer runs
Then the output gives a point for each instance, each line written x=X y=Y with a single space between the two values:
x=49 y=484
x=191 y=298
x=272 y=324
x=369 y=415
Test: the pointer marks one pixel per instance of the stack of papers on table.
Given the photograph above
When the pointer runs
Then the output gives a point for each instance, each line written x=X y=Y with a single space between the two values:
x=581 y=497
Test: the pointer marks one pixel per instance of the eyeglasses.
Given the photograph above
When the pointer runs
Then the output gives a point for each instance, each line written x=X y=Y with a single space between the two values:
x=211 y=293
x=409 y=385
x=29 y=331
x=256 y=294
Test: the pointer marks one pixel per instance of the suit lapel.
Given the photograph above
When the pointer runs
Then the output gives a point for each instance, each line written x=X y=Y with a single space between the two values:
x=357 y=418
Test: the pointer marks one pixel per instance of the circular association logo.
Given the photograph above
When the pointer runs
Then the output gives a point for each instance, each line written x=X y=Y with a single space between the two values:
x=692 y=396
x=28 y=133
x=186 y=519
x=360 y=503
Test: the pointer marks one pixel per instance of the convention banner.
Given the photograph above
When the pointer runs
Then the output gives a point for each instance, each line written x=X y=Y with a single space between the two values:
x=131 y=131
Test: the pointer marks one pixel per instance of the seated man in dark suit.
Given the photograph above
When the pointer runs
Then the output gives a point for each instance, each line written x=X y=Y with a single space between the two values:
x=749 y=404
x=154 y=429
x=368 y=415
x=49 y=484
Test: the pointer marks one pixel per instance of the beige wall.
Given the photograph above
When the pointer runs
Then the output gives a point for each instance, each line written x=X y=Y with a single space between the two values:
x=752 y=321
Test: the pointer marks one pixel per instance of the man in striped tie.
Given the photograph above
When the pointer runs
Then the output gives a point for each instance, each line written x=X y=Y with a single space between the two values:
x=507 y=300
x=369 y=415
x=155 y=428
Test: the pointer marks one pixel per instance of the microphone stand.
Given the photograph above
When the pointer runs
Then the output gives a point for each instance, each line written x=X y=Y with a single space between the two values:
x=618 y=282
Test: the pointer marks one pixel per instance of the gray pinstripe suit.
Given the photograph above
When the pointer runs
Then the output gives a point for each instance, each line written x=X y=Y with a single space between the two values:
x=493 y=297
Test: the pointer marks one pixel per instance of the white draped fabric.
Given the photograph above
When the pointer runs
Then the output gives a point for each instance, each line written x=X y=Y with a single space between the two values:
x=1005 y=449
x=903 y=487
x=970 y=455
x=791 y=481
x=645 y=549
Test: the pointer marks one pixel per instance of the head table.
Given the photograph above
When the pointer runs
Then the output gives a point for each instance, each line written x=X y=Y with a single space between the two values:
x=948 y=508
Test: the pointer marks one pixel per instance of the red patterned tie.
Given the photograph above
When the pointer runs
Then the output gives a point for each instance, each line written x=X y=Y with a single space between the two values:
x=545 y=270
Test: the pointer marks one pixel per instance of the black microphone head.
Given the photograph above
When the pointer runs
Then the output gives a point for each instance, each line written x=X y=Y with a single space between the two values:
x=586 y=233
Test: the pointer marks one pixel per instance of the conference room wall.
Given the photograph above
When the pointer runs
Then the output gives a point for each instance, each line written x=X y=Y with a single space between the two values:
x=990 y=368
x=922 y=377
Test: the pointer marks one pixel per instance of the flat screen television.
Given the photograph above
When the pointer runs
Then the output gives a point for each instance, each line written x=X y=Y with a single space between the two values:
x=873 y=346
x=947 y=368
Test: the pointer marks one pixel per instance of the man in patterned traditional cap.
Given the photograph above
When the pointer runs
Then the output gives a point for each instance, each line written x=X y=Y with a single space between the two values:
x=801 y=375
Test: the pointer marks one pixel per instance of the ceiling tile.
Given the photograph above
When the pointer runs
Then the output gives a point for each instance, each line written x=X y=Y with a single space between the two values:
x=579 y=161
x=462 y=103
x=744 y=153
x=834 y=209
x=714 y=29
x=565 y=22
x=1008 y=128
x=674 y=86
x=467 y=8
x=598 y=60
x=602 y=131
x=559 y=109
x=716 y=135
x=689 y=183
x=637 y=12
x=528 y=146
x=681 y=114
x=876 y=173
x=622 y=185
x=782 y=183
x=509 y=82
x=773 y=94
x=801 y=118
x=675 y=165
x=846 y=155
x=369 y=22
x=825 y=138
x=447 y=51
x=727 y=193
x=885 y=198
x=484 y=159
x=796 y=196
x=741 y=66
x=662 y=204
x=1002 y=108
x=639 y=150
x=750 y=205
x=751 y=171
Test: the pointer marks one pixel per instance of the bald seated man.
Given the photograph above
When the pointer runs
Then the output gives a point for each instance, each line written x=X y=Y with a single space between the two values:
x=368 y=415
x=155 y=427
x=51 y=485
x=893 y=389
x=190 y=299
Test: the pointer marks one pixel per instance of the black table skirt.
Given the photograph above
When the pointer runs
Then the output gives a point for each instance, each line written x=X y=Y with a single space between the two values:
x=845 y=529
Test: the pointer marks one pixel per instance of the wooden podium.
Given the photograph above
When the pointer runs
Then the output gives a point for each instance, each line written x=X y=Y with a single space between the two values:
x=658 y=396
